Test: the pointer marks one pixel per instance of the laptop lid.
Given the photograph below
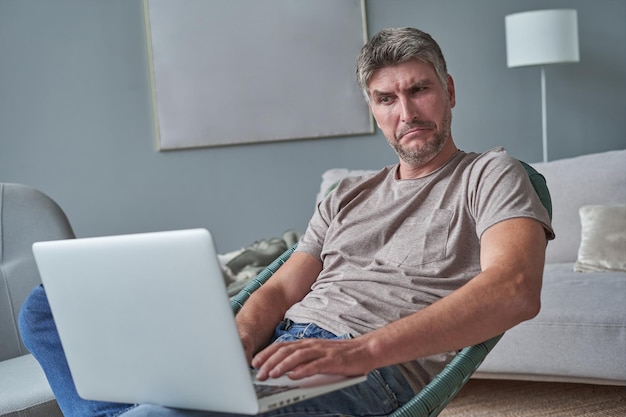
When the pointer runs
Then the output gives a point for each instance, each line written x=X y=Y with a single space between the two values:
x=145 y=318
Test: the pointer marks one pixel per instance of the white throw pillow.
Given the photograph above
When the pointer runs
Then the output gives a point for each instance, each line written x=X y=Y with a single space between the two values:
x=603 y=239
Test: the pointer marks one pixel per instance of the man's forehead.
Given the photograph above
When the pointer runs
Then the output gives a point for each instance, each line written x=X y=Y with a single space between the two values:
x=402 y=75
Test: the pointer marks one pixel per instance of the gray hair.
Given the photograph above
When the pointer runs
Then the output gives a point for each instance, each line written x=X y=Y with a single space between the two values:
x=396 y=46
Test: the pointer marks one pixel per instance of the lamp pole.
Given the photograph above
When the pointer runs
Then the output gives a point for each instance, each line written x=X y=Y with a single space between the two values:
x=544 y=118
x=542 y=37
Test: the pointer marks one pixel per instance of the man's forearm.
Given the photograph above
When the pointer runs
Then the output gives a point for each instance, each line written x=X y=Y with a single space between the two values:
x=267 y=305
x=257 y=319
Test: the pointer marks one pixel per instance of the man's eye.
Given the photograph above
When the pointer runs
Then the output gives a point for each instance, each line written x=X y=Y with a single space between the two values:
x=384 y=99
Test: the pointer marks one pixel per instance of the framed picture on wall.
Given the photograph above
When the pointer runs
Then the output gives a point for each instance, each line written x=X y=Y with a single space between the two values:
x=228 y=72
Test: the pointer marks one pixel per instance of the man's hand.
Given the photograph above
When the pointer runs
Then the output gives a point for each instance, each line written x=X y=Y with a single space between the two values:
x=309 y=357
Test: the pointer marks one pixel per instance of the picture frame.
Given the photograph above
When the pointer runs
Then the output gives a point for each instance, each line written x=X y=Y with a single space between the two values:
x=232 y=72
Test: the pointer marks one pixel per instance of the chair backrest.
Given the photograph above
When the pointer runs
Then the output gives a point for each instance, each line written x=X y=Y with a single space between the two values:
x=541 y=188
x=26 y=216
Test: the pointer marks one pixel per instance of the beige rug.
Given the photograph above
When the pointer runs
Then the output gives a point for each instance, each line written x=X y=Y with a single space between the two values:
x=489 y=398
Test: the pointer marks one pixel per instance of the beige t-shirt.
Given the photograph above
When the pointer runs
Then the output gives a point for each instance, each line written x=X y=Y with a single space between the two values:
x=391 y=247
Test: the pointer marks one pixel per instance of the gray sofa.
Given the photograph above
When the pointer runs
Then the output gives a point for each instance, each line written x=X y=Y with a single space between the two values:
x=580 y=333
x=26 y=216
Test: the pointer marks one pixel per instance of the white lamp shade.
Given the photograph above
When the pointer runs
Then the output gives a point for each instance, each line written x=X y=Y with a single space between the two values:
x=541 y=37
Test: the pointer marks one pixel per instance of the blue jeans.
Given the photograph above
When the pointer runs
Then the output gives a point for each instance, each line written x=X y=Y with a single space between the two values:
x=384 y=391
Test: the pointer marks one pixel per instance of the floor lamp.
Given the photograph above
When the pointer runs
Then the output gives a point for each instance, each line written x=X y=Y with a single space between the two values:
x=542 y=37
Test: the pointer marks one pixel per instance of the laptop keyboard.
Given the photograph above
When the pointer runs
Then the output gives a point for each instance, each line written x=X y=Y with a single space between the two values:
x=263 y=390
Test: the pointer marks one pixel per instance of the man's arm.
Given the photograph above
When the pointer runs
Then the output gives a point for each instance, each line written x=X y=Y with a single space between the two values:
x=266 y=307
x=505 y=293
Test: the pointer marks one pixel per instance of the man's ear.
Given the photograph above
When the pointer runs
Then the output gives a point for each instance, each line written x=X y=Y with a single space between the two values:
x=451 y=92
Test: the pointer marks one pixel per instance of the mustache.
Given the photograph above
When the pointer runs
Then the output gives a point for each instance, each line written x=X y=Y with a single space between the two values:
x=415 y=124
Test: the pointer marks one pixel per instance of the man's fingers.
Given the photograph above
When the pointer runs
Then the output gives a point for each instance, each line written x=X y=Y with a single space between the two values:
x=303 y=358
x=268 y=360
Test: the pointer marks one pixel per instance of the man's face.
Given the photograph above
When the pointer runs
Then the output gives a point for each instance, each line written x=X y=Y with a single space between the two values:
x=413 y=109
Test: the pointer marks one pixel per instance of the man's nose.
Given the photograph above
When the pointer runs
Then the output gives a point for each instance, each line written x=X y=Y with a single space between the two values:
x=409 y=110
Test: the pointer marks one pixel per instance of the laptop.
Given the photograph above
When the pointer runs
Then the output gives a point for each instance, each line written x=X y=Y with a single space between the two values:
x=145 y=318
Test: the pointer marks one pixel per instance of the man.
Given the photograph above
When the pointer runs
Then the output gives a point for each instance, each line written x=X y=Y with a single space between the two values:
x=395 y=270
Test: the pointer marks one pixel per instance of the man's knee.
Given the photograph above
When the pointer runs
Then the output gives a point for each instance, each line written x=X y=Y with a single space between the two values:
x=34 y=316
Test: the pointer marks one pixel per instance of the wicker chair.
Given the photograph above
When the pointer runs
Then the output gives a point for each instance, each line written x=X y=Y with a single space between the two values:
x=437 y=394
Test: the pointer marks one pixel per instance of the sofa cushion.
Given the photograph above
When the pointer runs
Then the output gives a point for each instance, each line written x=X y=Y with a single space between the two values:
x=331 y=177
x=595 y=179
x=25 y=390
x=603 y=239
x=580 y=333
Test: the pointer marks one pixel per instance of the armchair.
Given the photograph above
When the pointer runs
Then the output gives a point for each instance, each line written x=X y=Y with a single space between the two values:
x=26 y=216
x=437 y=394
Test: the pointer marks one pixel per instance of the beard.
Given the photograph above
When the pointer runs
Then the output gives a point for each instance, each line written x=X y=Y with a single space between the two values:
x=430 y=149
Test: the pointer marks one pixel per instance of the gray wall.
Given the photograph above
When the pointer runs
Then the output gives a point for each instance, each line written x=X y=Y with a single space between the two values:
x=76 y=117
